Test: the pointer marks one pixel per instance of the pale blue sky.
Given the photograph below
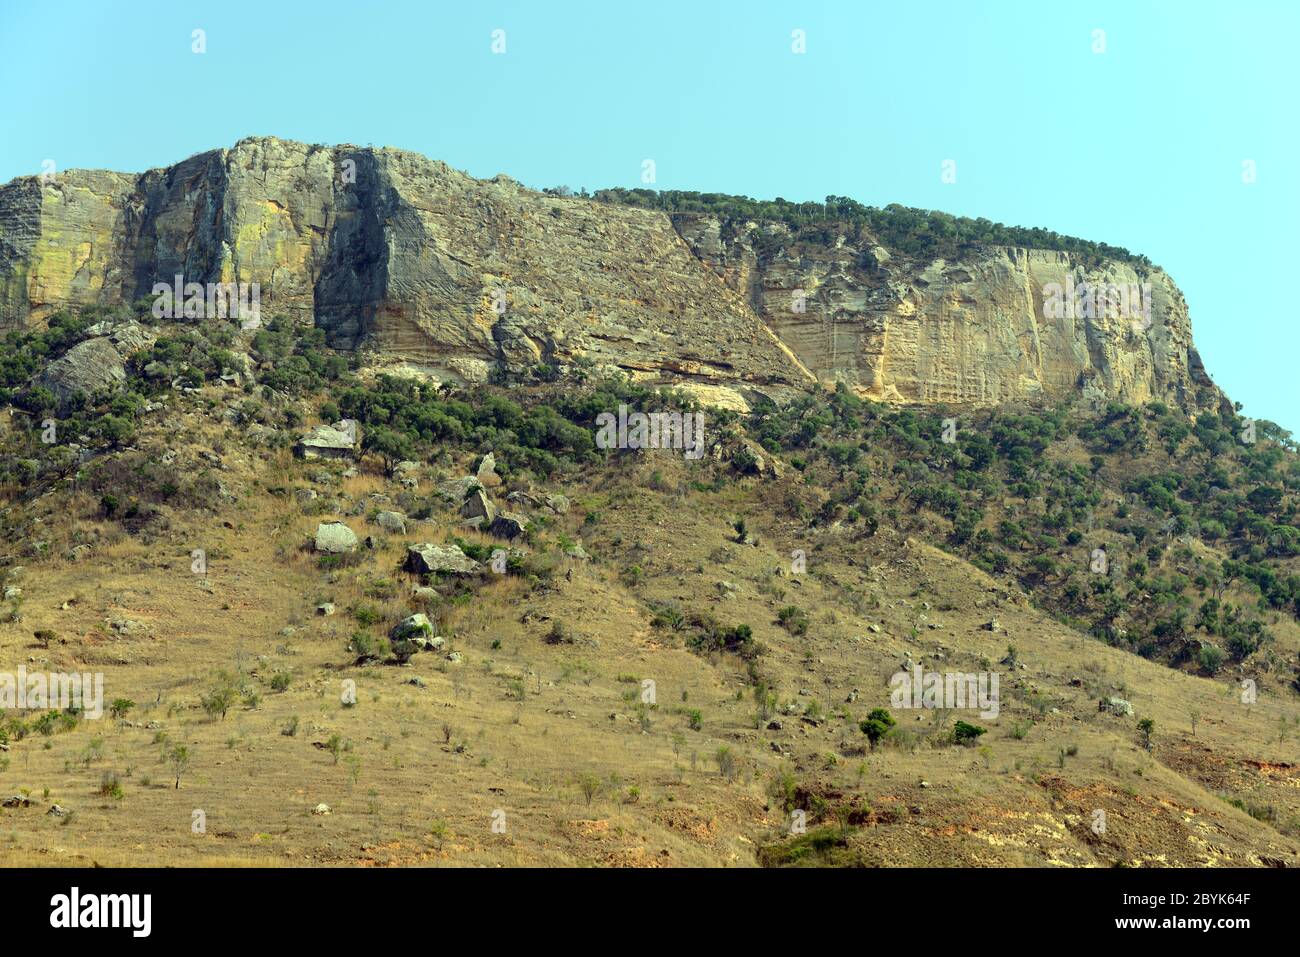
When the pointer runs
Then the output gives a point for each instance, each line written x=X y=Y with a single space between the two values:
x=1141 y=146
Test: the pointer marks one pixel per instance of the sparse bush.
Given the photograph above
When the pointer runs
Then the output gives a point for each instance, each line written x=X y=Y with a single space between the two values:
x=179 y=760
x=1210 y=658
x=967 y=734
x=119 y=708
x=366 y=646
x=590 y=785
x=110 y=786
x=218 y=701
x=876 y=725
x=726 y=762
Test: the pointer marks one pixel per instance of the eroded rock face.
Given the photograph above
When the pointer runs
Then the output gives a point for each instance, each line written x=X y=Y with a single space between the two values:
x=444 y=276
x=978 y=330
x=388 y=249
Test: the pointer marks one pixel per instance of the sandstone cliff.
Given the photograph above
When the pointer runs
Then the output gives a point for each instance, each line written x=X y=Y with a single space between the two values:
x=971 y=330
x=430 y=269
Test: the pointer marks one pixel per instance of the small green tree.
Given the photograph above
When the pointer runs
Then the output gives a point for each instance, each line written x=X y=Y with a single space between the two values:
x=218 y=701
x=391 y=447
x=119 y=708
x=1146 y=726
x=876 y=725
x=589 y=784
x=179 y=760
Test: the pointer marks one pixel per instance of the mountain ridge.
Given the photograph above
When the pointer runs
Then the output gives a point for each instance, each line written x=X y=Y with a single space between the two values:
x=417 y=264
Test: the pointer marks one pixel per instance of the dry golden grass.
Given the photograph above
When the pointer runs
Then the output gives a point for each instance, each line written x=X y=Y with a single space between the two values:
x=517 y=730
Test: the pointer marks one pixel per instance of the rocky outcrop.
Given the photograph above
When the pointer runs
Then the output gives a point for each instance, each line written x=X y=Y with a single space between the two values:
x=428 y=558
x=981 y=329
x=89 y=367
x=439 y=275
x=478 y=506
x=337 y=441
x=508 y=525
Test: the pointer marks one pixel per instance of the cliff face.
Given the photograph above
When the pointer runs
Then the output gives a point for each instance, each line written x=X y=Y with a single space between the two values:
x=981 y=329
x=456 y=277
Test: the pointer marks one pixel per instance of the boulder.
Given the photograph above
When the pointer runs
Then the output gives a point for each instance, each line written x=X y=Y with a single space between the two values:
x=337 y=441
x=417 y=625
x=486 y=471
x=458 y=489
x=335 y=538
x=509 y=525
x=478 y=506
x=559 y=504
x=430 y=558
x=88 y=367
x=413 y=633
x=391 y=522
x=525 y=500
x=1116 y=706
x=752 y=457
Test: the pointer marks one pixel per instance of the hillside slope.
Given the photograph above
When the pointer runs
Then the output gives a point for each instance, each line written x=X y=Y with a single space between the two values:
x=167 y=540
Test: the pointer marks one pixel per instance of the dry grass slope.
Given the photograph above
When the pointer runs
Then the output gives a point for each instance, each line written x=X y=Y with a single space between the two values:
x=528 y=751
